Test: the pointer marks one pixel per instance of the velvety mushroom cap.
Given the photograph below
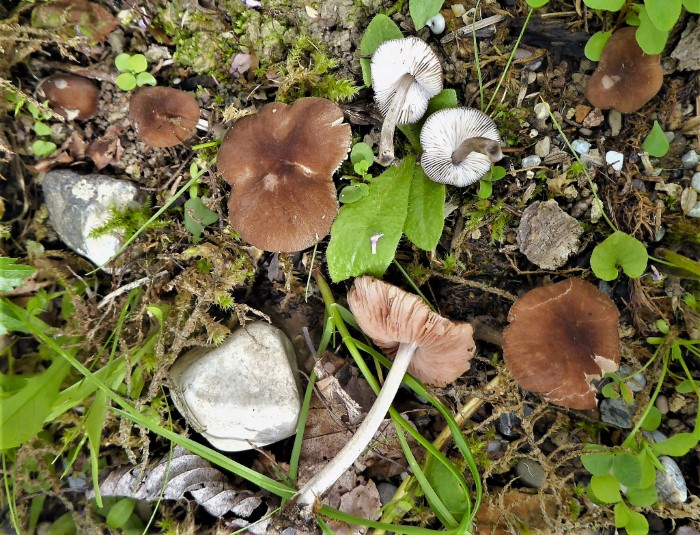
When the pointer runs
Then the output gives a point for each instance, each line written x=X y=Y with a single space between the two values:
x=390 y=316
x=163 y=116
x=73 y=97
x=280 y=163
x=90 y=19
x=560 y=337
x=391 y=61
x=626 y=77
x=444 y=132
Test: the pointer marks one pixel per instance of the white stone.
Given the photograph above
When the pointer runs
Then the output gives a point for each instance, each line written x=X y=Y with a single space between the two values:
x=541 y=110
x=543 y=146
x=458 y=9
x=690 y=159
x=695 y=182
x=242 y=394
x=670 y=485
x=581 y=146
x=614 y=159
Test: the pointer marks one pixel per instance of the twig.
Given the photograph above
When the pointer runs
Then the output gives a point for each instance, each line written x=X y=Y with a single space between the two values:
x=469 y=28
x=128 y=287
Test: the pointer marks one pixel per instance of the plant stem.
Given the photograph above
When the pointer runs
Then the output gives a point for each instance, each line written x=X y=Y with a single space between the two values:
x=330 y=473
x=386 y=138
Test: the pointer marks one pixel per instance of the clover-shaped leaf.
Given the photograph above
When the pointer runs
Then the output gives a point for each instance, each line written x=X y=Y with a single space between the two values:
x=619 y=250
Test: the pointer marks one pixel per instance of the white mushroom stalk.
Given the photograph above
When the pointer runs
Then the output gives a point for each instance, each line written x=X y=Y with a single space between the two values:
x=330 y=473
x=406 y=74
x=459 y=146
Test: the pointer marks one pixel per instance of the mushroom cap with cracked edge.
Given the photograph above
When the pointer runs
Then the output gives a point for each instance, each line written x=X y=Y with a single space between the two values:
x=163 y=116
x=443 y=132
x=560 y=337
x=397 y=57
x=94 y=19
x=626 y=77
x=390 y=316
x=280 y=164
x=73 y=97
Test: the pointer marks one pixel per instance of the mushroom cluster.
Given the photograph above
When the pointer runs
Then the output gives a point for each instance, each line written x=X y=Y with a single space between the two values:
x=559 y=339
x=434 y=349
x=280 y=163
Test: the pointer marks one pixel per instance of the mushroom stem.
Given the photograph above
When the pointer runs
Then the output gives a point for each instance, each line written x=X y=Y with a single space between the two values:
x=487 y=147
x=386 y=138
x=335 y=468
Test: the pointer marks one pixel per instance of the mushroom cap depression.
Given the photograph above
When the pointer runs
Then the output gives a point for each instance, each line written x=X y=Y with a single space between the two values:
x=280 y=164
x=390 y=316
x=73 y=97
x=443 y=132
x=397 y=57
x=626 y=77
x=560 y=337
x=163 y=116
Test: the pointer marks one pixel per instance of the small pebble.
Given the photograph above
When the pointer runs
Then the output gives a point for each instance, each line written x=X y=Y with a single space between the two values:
x=637 y=382
x=616 y=412
x=694 y=182
x=505 y=424
x=659 y=234
x=662 y=404
x=638 y=184
x=690 y=159
x=614 y=159
x=386 y=492
x=492 y=446
x=694 y=211
x=595 y=118
x=670 y=136
x=543 y=146
x=541 y=110
x=530 y=472
x=687 y=530
x=531 y=161
x=615 y=120
x=670 y=485
x=581 y=146
x=458 y=10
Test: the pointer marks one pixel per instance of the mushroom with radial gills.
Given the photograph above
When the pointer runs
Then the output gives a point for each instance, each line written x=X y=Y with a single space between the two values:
x=559 y=339
x=626 y=78
x=280 y=164
x=72 y=97
x=406 y=74
x=163 y=116
x=434 y=349
x=459 y=146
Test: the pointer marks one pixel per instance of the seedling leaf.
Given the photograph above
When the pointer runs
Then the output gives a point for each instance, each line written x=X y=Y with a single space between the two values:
x=198 y=216
x=642 y=497
x=622 y=515
x=675 y=446
x=636 y=524
x=692 y=5
x=13 y=274
x=42 y=129
x=425 y=218
x=619 y=250
x=43 y=149
x=137 y=63
x=358 y=225
x=595 y=45
x=536 y=3
x=448 y=490
x=608 y=5
x=350 y=194
x=606 y=488
x=423 y=10
x=379 y=30
x=126 y=81
x=598 y=464
x=361 y=152
x=650 y=38
x=627 y=469
x=652 y=420
x=663 y=13
x=145 y=78
x=122 y=62
x=656 y=143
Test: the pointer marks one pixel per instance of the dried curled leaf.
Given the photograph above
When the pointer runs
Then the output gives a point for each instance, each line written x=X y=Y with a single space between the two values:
x=185 y=476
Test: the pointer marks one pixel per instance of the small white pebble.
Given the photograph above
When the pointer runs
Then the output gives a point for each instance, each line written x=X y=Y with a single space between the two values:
x=614 y=159
x=695 y=182
x=541 y=110
x=581 y=146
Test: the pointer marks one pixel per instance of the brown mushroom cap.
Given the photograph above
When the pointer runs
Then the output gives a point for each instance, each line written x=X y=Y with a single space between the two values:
x=559 y=338
x=90 y=19
x=390 y=316
x=73 y=97
x=163 y=116
x=626 y=77
x=280 y=164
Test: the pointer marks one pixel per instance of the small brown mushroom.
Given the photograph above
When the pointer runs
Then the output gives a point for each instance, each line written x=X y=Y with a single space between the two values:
x=163 y=116
x=280 y=164
x=434 y=349
x=626 y=77
x=561 y=337
x=73 y=97
x=83 y=17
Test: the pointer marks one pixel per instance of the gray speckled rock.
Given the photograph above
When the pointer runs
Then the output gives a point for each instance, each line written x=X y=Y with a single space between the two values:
x=530 y=472
x=616 y=412
x=547 y=235
x=686 y=52
x=243 y=393
x=80 y=203
x=670 y=486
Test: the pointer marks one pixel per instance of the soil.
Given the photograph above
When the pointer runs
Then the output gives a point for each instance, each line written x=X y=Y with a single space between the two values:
x=475 y=273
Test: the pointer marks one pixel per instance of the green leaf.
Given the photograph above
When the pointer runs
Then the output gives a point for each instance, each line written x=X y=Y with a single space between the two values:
x=126 y=81
x=198 y=216
x=485 y=189
x=675 y=446
x=379 y=30
x=42 y=129
x=361 y=152
x=684 y=267
x=619 y=250
x=350 y=194
x=598 y=464
x=122 y=62
x=627 y=469
x=663 y=13
x=43 y=149
x=687 y=386
x=622 y=515
x=652 y=420
x=137 y=63
x=423 y=10
x=447 y=98
x=448 y=490
x=536 y=3
x=610 y=391
x=22 y=414
x=383 y=211
x=636 y=524
x=595 y=45
x=648 y=469
x=13 y=274
x=692 y=5
x=426 y=208
x=606 y=488
x=145 y=78
x=642 y=497
x=650 y=38
x=608 y=5
x=94 y=422
x=120 y=512
x=64 y=525
x=656 y=143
